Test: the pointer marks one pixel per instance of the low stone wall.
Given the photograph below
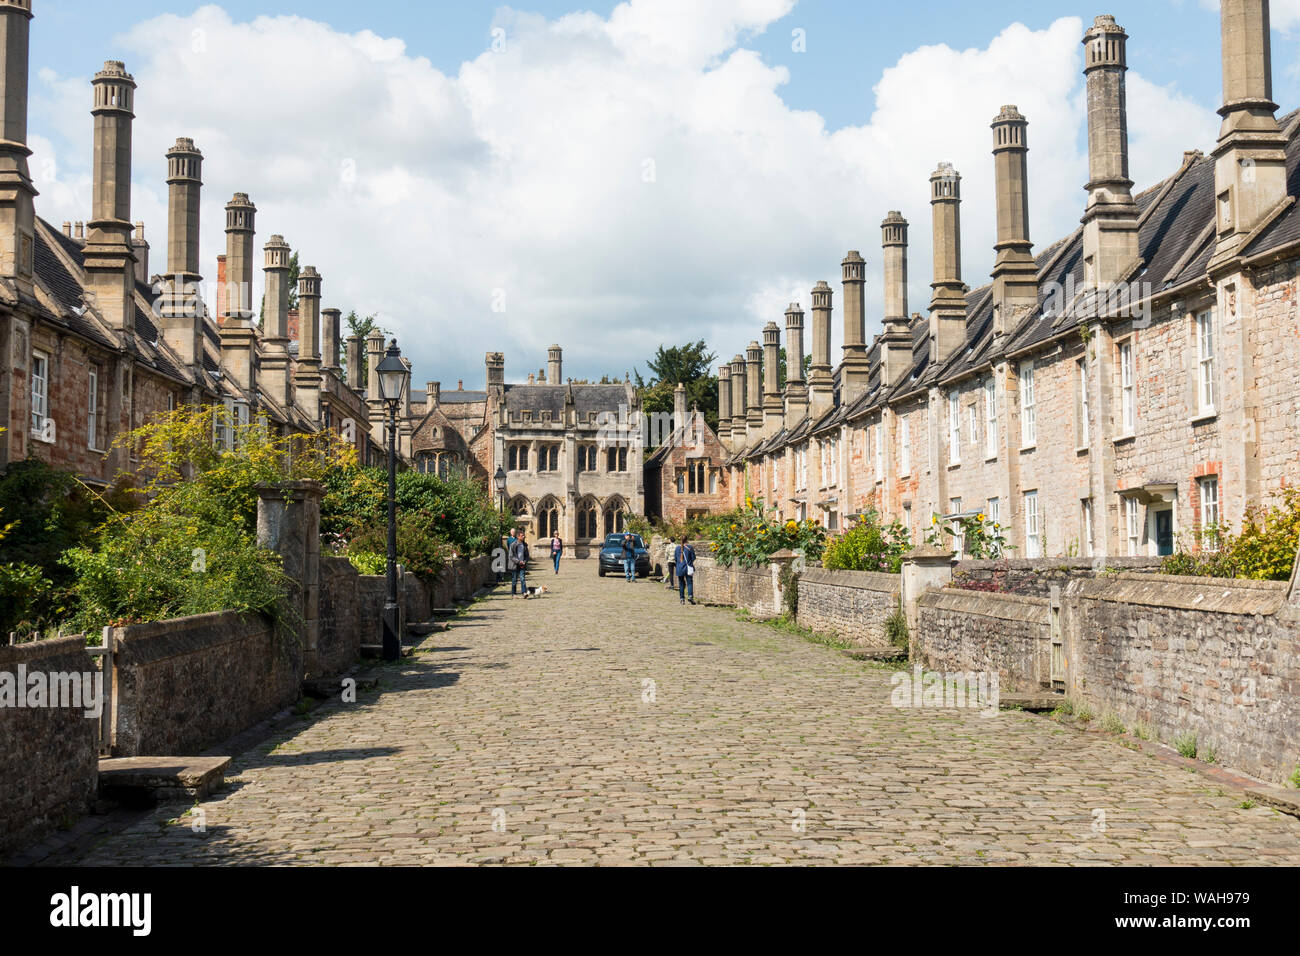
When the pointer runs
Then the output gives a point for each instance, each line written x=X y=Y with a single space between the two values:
x=852 y=605
x=184 y=685
x=755 y=589
x=1036 y=577
x=339 y=639
x=48 y=759
x=1217 y=658
x=1009 y=634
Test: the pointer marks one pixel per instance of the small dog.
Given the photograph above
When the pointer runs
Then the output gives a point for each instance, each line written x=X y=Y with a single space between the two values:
x=535 y=592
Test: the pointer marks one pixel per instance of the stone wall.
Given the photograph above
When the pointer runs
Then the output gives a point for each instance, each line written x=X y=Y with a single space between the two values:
x=973 y=631
x=48 y=759
x=1036 y=577
x=753 y=589
x=1218 y=658
x=341 y=625
x=184 y=685
x=852 y=605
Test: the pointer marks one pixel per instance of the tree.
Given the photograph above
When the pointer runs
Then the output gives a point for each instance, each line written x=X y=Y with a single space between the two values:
x=363 y=328
x=293 y=281
x=692 y=366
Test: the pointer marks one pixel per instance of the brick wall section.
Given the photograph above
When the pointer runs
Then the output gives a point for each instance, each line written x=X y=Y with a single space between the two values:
x=48 y=762
x=184 y=685
x=852 y=605
x=1219 y=658
x=971 y=631
x=754 y=589
x=1037 y=577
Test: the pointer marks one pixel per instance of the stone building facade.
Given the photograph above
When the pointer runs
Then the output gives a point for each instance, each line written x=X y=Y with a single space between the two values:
x=684 y=477
x=1129 y=386
x=98 y=344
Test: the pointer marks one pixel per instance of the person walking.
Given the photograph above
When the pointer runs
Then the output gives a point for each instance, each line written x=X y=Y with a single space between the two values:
x=519 y=554
x=557 y=549
x=507 y=546
x=629 y=558
x=684 y=565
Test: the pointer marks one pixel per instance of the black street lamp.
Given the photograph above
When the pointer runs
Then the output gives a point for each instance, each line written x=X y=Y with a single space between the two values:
x=500 y=479
x=393 y=375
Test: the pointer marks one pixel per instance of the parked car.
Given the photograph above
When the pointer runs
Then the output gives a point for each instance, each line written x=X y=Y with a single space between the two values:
x=611 y=556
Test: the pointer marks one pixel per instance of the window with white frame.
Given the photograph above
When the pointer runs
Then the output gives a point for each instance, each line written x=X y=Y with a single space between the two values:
x=1085 y=525
x=880 y=451
x=954 y=429
x=1033 y=534
x=990 y=419
x=1028 y=406
x=958 y=530
x=993 y=510
x=1209 y=489
x=1205 y=362
x=1132 y=525
x=1084 y=428
x=96 y=411
x=973 y=420
x=904 y=446
x=824 y=446
x=1127 y=388
x=907 y=519
x=40 y=392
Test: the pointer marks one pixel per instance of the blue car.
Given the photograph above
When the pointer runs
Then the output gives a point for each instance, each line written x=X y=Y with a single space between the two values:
x=611 y=556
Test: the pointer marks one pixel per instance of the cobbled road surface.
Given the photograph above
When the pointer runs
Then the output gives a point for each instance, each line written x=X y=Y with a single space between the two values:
x=530 y=732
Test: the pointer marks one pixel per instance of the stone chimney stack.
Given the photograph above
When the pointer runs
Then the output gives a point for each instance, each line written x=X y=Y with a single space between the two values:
x=855 y=371
x=356 y=350
x=496 y=369
x=821 y=389
x=753 y=391
x=1015 y=274
x=182 y=306
x=796 y=388
x=555 y=365
x=724 y=404
x=896 y=339
x=948 y=303
x=17 y=194
x=79 y=231
x=739 y=402
x=374 y=355
x=330 y=335
x=1250 y=158
x=277 y=372
x=307 y=377
x=1110 y=222
x=773 y=405
x=679 y=406
x=432 y=395
x=140 y=245
x=238 y=337
x=109 y=258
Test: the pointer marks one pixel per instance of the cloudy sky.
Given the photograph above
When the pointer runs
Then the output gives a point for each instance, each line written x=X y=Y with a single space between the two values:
x=611 y=177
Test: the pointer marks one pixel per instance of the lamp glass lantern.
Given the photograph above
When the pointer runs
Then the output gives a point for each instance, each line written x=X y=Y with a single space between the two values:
x=393 y=375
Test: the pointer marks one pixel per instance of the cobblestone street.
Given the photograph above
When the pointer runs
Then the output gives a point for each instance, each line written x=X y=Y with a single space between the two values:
x=529 y=733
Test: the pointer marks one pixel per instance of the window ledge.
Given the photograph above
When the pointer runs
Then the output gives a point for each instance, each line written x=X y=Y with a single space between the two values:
x=954 y=466
x=1121 y=439
x=1028 y=448
x=1204 y=417
x=1082 y=450
x=991 y=459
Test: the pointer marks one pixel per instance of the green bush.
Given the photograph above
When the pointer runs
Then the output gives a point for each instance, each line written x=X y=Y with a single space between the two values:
x=749 y=537
x=418 y=548
x=868 y=546
x=896 y=629
x=1263 y=550
x=368 y=562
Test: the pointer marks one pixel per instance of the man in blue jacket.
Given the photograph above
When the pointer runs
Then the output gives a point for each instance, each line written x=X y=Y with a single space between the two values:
x=629 y=558
x=684 y=567
x=518 y=565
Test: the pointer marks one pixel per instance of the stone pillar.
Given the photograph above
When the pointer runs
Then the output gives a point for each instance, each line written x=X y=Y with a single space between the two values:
x=821 y=390
x=108 y=257
x=288 y=523
x=923 y=568
x=238 y=337
x=1110 y=222
x=17 y=194
x=1015 y=274
x=948 y=303
x=896 y=340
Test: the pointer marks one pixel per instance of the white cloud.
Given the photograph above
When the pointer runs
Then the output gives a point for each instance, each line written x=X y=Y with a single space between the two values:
x=1283 y=14
x=625 y=182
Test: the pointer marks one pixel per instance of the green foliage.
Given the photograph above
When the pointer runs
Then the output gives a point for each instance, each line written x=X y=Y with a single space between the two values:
x=789 y=581
x=1186 y=744
x=1112 y=724
x=896 y=629
x=1294 y=779
x=419 y=548
x=869 y=546
x=1263 y=550
x=691 y=365
x=750 y=536
x=983 y=539
x=368 y=562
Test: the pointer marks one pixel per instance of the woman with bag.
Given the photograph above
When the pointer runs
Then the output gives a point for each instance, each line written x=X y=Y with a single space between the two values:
x=684 y=565
x=557 y=548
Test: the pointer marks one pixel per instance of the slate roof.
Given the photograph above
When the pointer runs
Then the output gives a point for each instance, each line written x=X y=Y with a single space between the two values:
x=586 y=398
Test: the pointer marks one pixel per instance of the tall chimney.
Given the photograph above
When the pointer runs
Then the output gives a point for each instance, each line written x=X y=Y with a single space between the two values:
x=238 y=337
x=181 y=307
x=496 y=369
x=555 y=365
x=796 y=389
x=277 y=373
x=773 y=406
x=17 y=194
x=432 y=395
x=896 y=339
x=739 y=402
x=753 y=391
x=1110 y=222
x=855 y=371
x=679 y=406
x=1250 y=158
x=821 y=391
x=948 y=303
x=109 y=259
x=140 y=245
x=1015 y=274
x=330 y=335
x=724 y=404
x=355 y=371
x=307 y=377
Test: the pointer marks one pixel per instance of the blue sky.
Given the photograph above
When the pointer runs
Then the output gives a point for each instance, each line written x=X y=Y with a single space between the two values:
x=474 y=179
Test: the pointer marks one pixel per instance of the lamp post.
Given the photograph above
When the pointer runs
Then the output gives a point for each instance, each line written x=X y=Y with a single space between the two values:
x=393 y=376
x=499 y=479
